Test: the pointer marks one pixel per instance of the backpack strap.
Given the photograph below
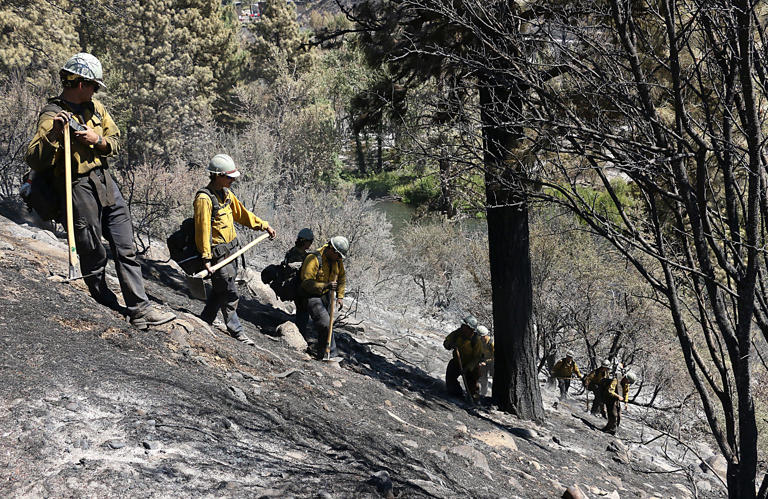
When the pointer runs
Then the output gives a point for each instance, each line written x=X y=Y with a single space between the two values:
x=54 y=106
x=319 y=259
x=214 y=210
x=214 y=200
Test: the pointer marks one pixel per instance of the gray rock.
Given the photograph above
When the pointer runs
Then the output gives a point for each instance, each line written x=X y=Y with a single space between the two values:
x=613 y=495
x=718 y=463
x=238 y=394
x=525 y=433
x=262 y=292
x=83 y=444
x=6 y=245
x=73 y=406
x=438 y=454
x=704 y=486
x=615 y=481
x=617 y=446
x=573 y=492
x=115 y=444
x=432 y=488
x=474 y=456
x=685 y=491
x=290 y=335
x=45 y=236
x=149 y=445
x=620 y=450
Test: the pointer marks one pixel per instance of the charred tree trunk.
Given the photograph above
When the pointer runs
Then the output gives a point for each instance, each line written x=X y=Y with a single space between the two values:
x=446 y=190
x=515 y=383
x=361 y=165
x=380 y=149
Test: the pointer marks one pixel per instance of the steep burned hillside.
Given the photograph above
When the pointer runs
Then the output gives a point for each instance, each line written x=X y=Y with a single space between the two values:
x=90 y=407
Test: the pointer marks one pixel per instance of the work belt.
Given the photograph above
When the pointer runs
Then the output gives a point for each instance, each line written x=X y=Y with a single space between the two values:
x=223 y=250
x=102 y=182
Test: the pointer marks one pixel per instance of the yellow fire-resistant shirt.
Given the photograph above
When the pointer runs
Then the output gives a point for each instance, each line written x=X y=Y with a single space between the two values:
x=313 y=278
x=44 y=153
x=565 y=368
x=609 y=387
x=596 y=376
x=223 y=228
x=625 y=388
x=472 y=350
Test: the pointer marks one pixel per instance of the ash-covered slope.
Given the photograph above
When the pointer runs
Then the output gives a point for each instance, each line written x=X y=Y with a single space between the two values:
x=90 y=407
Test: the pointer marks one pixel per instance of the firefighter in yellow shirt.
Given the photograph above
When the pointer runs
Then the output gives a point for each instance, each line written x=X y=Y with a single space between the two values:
x=485 y=368
x=323 y=271
x=611 y=398
x=563 y=370
x=592 y=383
x=215 y=238
x=471 y=351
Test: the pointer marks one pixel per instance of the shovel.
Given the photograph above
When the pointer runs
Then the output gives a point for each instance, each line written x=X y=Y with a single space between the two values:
x=231 y=257
x=196 y=287
x=74 y=262
x=467 y=395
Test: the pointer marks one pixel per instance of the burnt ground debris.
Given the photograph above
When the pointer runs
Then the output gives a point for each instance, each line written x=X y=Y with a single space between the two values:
x=91 y=407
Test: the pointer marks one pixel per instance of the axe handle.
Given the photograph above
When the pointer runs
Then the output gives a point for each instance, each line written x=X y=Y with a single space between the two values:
x=72 y=249
x=464 y=377
x=231 y=257
x=330 y=325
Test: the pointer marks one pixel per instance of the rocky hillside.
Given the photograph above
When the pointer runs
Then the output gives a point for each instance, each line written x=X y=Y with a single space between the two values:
x=90 y=407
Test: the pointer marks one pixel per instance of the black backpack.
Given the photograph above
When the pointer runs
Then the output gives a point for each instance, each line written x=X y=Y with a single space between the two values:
x=284 y=279
x=181 y=244
x=39 y=193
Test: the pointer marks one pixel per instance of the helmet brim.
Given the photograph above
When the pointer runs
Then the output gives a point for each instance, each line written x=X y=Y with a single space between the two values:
x=233 y=174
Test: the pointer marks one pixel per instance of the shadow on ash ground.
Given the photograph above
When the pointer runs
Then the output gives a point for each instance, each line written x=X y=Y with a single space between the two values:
x=90 y=407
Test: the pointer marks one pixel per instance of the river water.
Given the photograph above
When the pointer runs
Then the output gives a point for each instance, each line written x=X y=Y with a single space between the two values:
x=400 y=215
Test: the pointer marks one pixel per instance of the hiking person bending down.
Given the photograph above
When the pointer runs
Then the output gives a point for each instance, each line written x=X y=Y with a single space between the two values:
x=98 y=207
x=215 y=238
x=321 y=272
x=472 y=349
x=563 y=370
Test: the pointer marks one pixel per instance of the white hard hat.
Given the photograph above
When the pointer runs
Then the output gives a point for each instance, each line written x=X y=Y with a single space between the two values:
x=341 y=245
x=222 y=164
x=85 y=65
x=483 y=331
x=470 y=321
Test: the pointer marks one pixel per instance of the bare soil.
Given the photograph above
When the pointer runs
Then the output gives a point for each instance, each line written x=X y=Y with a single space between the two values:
x=91 y=407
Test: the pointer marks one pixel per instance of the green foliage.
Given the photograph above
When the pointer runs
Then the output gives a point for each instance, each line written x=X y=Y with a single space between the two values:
x=420 y=191
x=274 y=39
x=411 y=188
x=175 y=58
x=36 y=37
x=601 y=201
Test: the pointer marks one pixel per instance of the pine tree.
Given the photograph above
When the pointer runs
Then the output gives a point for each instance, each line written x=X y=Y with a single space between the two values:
x=173 y=60
x=276 y=36
x=36 y=38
